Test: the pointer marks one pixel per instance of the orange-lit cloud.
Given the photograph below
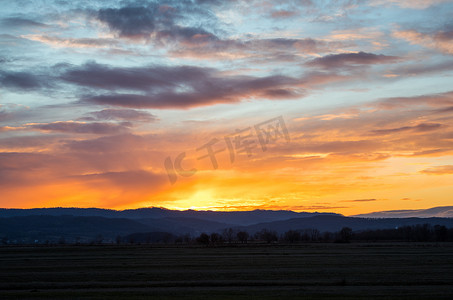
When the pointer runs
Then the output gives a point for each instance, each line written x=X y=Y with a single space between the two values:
x=72 y=42
x=441 y=41
x=339 y=159
x=367 y=105
x=414 y=4
x=439 y=170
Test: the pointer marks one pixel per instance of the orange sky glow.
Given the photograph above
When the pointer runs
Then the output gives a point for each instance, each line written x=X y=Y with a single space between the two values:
x=356 y=111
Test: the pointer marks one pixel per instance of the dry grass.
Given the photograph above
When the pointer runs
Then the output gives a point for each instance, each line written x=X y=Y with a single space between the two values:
x=411 y=271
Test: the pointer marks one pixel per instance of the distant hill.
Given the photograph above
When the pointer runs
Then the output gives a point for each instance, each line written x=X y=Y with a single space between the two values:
x=335 y=223
x=52 y=227
x=29 y=228
x=439 y=212
x=184 y=225
x=233 y=217
x=149 y=237
x=93 y=224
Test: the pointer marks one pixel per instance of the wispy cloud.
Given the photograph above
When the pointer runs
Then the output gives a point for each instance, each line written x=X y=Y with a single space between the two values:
x=96 y=96
x=414 y=4
x=80 y=127
x=441 y=40
x=72 y=42
x=423 y=127
x=439 y=170
x=352 y=59
x=121 y=115
x=360 y=200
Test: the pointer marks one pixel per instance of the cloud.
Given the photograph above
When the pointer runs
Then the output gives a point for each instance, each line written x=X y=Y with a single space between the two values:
x=106 y=77
x=177 y=87
x=154 y=21
x=128 y=21
x=439 y=170
x=415 y=69
x=167 y=87
x=351 y=59
x=26 y=143
x=433 y=152
x=340 y=146
x=72 y=42
x=24 y=161
x=444 y=110
x=360 y=200
x=21 y=22
x=360 y=33
x=441 y=41
x=282 y=13
x=434 y=100
x=318 y=141
x=275 y=49
x=413 y=4
x=28 y=169
x=175 y=100
x=80 y=127
x=121 y=115
x=127 y=180
x=423 y=127
x=10 y=128
x=21 y=80
x=103 y=178
x=167 y=25
x=108 y=144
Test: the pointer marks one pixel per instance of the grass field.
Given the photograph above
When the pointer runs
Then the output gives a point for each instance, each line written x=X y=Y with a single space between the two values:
x=412 y=271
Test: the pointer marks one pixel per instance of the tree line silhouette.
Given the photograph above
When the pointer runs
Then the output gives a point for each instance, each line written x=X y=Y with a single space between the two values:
x=416 y=233
x=231 y=236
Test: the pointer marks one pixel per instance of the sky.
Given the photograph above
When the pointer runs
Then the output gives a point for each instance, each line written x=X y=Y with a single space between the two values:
x=329 y=106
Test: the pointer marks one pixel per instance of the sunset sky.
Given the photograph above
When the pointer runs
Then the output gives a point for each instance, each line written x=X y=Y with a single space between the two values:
x=115 y=104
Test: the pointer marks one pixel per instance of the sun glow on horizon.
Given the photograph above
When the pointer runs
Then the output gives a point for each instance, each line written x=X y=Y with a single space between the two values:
x=185 y=105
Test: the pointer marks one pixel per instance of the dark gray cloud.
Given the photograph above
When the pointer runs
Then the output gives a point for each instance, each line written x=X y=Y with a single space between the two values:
x=444 y=36
x=157 y=20
x=440 y=100
x=16 y=168
x=5 y=60
x=430 y=152
x=27 y=141
x=78 y=127
x=222 y=91
x=351 y=59
x=420 y=69
x=188 y=35
x=444 y=110
x=176 y=87
x=129 y=21
x=423 y=127
x=4 y=115
x=20 y=22
x=274 y=49
x=25 y=169
x=134 y=78
x=22 y=80
x=282 y=13
x=171 y=24
x=128 y=179
x=107 y=144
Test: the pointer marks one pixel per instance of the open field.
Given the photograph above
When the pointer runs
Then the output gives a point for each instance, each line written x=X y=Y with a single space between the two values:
x=412 y=271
